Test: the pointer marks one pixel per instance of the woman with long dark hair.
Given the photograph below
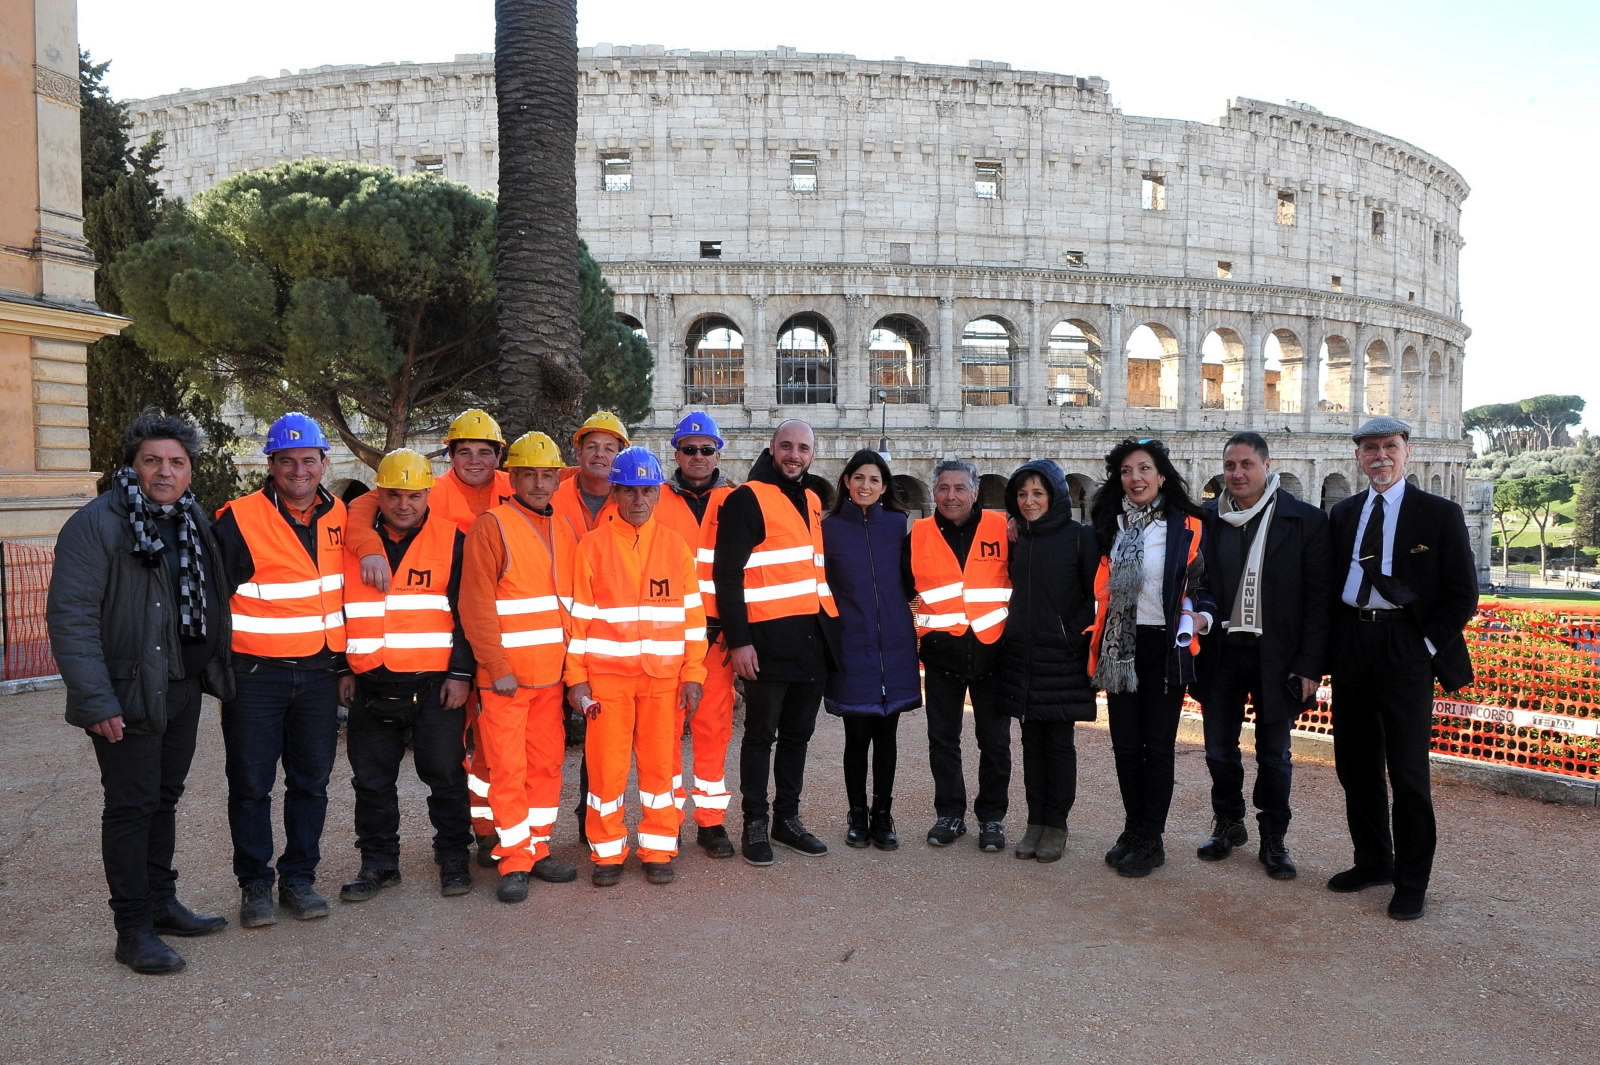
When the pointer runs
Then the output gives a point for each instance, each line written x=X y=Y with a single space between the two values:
x=866 y=544
x=1153 y=599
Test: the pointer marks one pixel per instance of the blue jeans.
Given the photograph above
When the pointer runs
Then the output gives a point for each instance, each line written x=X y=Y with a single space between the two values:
x=289 y=715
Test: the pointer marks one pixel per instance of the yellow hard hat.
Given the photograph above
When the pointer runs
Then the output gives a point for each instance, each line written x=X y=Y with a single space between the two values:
x=603 y=421
x=474 y=424
x=534 y=450
x=405 y=470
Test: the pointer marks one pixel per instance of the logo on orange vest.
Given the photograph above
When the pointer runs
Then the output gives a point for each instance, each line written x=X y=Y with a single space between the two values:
x=661 y=589
x=335 y=535
x=422 y=577
x=988 y=548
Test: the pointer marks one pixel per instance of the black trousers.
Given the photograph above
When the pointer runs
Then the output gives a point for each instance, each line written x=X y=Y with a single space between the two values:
x=142 y=775
x=1383 y=724
x=1238 y=679
x=874 y=735
x=376 y=751
x=944 y=695
x=781 y=713
x=1144 y=736
x=1049 y=771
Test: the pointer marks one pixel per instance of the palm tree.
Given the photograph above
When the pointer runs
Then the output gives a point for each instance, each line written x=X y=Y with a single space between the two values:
x=536 y=264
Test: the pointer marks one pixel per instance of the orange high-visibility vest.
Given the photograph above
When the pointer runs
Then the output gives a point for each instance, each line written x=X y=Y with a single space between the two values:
x=784 y=576
x=636 y=607
x=408 y=630
x=448 y=499
x=701 y=535
x=528 y=598
x=568 y=502
x=957 y=597
x=1102 y=591
x=293 y=606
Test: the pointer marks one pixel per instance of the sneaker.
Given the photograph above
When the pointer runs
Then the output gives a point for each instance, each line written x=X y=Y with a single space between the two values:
x=455 y=877
x=991 y=836
x=513 y=887
x=792 y=834
x=368 y=882
x=553 y=870
x=714 y=840
x=757 y=850
x=255 y=905
x=1143 y=857
x=303 y=902
x=946 y=830
x=1226 y=834
x=658 y=872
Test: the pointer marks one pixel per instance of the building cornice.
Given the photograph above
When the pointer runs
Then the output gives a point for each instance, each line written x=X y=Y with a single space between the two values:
x=52 y=322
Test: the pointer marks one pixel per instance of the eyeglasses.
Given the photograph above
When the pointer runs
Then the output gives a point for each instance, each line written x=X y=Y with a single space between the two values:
x=704 y=449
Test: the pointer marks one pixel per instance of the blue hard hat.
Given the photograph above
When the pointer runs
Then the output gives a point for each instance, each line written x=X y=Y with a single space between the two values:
x=636 y=466
x=295 y=430
x=697 y=423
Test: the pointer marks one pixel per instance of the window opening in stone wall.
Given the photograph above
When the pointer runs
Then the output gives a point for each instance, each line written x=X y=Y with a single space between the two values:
x=802 y=173
x=986 y=362
x=899 y=253
x=1377 y=227
x=805 y=360
x=1072 y=365
x=1153 y=193
x=1411 y=297
x=1336 y=283
x=635 y=325
x=897 y=360
x=1151 y=355
x=1224 y=270
x=616 y=171
x=711 y=249
x=1076 y=258
x=986 y=179
x=1222 y=384
x=429 y=164
x=1274 y=387
x=1438 y=247
x=713 y=363
x=1285 y=207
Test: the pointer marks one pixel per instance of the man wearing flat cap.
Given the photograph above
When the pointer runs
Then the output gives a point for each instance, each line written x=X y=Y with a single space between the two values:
x=1405 y=585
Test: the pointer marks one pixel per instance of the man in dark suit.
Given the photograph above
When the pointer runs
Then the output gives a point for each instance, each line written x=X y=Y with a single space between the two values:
x=1405 y=585
x=1266 y=558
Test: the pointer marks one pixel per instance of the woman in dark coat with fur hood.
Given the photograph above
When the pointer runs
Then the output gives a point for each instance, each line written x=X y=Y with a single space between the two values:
x=1044 y=671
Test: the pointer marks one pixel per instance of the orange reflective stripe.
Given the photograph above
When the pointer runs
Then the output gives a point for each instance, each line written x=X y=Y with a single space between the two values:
x=293 y=606
x=410 y=629
x=784 y=576
x=956 y=597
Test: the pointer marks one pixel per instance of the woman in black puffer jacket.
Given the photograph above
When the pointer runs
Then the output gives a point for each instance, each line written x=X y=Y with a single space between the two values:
x=1044 y=670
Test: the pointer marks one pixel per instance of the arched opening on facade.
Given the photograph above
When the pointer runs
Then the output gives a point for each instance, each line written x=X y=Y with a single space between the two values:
x=1291 y=483
x=1411 y=479
x=1282 y=355
x=988 y=363
x=805 y=360
x=634 y=324
x=897 y=360
x=1212 y=488
x=1072 y=364
x=1435 y=386
x=1411 y=385
x=1333 y=360
x=1081 y=487
x=713 y=362
x=1451 y=399
x=1222 y=371
x=1334 y=488
x=1379 y=369
x=992 y=491
x=913 y=495
x=1153 y=371
x=1436 y=485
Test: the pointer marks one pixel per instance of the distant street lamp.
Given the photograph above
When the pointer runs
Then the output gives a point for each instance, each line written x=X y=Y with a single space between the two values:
x=883 y=424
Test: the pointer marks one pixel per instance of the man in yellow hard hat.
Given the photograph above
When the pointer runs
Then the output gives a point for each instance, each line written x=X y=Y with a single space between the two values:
x=584 y=498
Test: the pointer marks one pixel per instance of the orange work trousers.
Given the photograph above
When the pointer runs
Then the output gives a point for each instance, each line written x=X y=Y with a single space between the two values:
x=637 y=718
x=710 y=731
x=523 y=737
x=477 y=769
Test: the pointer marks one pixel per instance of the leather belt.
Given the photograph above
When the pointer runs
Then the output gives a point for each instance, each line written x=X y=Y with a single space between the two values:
x=1367 y=613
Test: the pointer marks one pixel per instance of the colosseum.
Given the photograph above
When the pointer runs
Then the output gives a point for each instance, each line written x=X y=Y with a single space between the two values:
x=957 y=261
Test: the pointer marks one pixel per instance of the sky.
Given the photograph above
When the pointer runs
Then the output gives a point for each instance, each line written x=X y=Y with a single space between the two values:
x=1506 y=94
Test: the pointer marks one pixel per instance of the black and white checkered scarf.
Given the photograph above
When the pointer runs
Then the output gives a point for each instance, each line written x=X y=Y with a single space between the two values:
x=1115 y=672
x=148 y=545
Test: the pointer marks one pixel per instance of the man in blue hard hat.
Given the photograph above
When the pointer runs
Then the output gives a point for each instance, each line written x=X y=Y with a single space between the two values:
x=282 y=567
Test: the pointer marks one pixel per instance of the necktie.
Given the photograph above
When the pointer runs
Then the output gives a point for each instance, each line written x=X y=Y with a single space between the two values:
x=1370 y=556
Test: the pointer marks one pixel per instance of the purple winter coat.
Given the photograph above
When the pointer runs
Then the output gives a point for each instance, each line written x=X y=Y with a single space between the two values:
x=878 y=669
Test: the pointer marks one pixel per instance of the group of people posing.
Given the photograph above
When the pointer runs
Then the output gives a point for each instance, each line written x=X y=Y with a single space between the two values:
x=466 y=615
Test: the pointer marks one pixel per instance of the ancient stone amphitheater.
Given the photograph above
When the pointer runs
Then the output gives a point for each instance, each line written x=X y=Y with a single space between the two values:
x=969 y=261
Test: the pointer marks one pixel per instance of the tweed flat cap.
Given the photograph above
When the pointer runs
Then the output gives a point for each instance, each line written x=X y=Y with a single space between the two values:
x=1382 y=425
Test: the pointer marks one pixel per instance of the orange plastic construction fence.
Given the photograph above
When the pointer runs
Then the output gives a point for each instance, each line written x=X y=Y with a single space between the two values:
x=24 y=582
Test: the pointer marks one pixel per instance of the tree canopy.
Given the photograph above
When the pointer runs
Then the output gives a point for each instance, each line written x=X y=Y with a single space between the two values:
x=1551 y=413
x=1532 y=423
x=1534 y=500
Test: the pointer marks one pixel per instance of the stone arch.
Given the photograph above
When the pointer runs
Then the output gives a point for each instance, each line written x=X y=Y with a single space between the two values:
x=805 y=360
x=1080 y=489
x=1411 y=479
x=1436 y=485
x=1334 y=366
x=897 y=360
x=1152 y=355
x=1291 y=483
x=1435 y=386
x=634 y=324
x=988 y=362
x=1379 y=368
x=1073 y=360
x=1222 y=370
x=1411 y=385
x=913 y=495
x=1212 y=488
x=992 y=491
x=1335 y=487
x=1283 y=355
x=713 y=362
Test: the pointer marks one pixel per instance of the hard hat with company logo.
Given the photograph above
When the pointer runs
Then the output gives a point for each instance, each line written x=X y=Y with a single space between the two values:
x=534 y=450
x=601 y=421
x=294 y=430
x=636 y=466
x=697 y=423
x=474 y=424
x=405 y=470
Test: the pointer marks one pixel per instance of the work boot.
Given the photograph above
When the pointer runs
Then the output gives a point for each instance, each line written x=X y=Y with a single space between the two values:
x=1052 y=844
x=756 y=846
x=1143 y=857
x=255 y=904
x=486 y=845
x=714 y=840
x=1119 y=850
x=1028 y=845
x=945 y=831
x=657 y=872
x=883 y=836
x=1226 y=834
x=553 y=870
x=368 y=882
x=794 y=835
x=455 y=877
x=606 y=875
x=1274 y=854
x=144 y=952
x=856 y=834
x=175 y=919
x=513 y=887
x=303 y=902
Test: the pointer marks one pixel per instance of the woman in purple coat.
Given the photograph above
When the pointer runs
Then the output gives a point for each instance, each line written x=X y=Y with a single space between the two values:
x=865 y=542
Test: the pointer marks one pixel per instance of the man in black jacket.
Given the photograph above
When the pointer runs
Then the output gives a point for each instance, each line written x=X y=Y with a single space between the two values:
x=137 y=625
x=776 y=617
x=1404 y=586
x=1266 y=558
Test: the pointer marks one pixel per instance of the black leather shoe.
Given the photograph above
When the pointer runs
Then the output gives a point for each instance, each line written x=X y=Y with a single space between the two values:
x=657 y=872
x=455 y=877
x=176 y=919
x=755 y=845
x=946 y=830
x=794 y=835
x=1143 y=857
x=713 y=839
x=513 y=887
x=882 y=827
x=1357 y=879
x=1119 y=850
x=553 y=870
x=855 y=833
x=991 y=836
x=1274 y=854
x=1407 y=904
x=255 y=905
x=1226 y=834
x=367 y=883
x=303 y=902
x=144 y=952
x=486 y=858
x=606 y=875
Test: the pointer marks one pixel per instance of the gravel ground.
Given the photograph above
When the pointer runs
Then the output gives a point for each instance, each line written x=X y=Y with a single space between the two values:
x=920 y=955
